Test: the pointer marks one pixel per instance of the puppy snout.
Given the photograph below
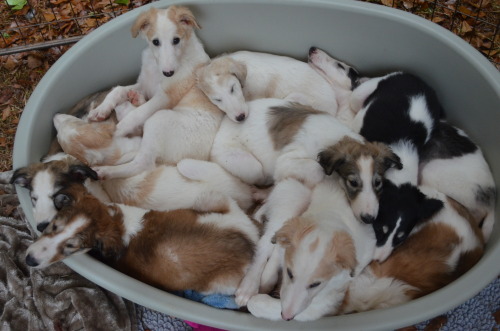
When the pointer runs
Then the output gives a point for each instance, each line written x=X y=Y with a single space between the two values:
x=368 y=219
x=240 y=118
x=168 y=73
x=285 y=317
x=31 y=261
x=312 y=50
x=42 y=226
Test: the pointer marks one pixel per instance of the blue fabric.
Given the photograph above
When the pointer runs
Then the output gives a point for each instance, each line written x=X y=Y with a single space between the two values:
x=214 y=300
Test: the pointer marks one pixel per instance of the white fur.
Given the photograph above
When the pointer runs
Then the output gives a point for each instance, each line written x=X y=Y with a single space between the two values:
x=152 y=82
x=246 y=150
x=331 y=212
x=408 y=154
x=419 y=113
x=460 y=178
x=267 y=75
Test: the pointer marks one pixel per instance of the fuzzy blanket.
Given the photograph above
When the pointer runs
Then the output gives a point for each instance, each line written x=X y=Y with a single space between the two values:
x=52 y=298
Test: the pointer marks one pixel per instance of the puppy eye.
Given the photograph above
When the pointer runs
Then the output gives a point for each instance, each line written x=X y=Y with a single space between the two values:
x=232 y=89
x=69 y=245
x=353 y=183
x=54 y=228
x=217 y=100
x=289 y=273
x=377 y=183
x=176 y=40
x=156 y=42
x=313 y=285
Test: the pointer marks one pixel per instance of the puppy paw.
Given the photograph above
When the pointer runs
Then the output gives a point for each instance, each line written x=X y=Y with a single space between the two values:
x=99 y=113
x=245 y=291
x=135 y=98
x=103 y=172
x=264 y=306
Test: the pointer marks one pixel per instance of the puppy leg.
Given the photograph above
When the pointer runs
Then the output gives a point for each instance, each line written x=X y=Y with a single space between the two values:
x=241 y=164
x=136 y=118
x=117 y=96
x=288 y=199
x=264 y=306
x=362 y=92
x=270 y=274
x=295 y=165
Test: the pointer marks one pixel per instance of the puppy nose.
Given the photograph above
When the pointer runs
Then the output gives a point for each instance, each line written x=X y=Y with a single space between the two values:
x=31 y=261
x=312 y=50
x=168 y=73
x=286 y=318
x=368 y=219
x=42 y=226
x=240 y=117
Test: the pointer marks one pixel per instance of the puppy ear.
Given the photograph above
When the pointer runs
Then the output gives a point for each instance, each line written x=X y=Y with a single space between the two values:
x=331 y=160
x=344 y=250
x=284 y=235
x=81 y=172
x=142 y=22
x=429 y=207
x=391 y=159
x=239 y=70
x=185 y=16
x=61 y=200
x=21 y=178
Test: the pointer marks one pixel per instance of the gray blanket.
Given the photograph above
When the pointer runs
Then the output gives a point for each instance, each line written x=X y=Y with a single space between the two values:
x=53 y=298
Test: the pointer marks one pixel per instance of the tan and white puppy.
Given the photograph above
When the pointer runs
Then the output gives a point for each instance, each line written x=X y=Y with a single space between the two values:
x=164 y=188
x=436 y=253
x=167 y=69
x=232 y=79
x=322 y=250
x=158 y=248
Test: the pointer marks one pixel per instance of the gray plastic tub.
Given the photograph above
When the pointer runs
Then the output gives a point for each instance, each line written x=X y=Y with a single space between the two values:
x=375 y=39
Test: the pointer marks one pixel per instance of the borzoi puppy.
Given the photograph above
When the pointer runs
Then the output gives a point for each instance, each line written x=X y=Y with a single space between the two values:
x=342 y=77
x=321 y=251
x=158 y=248
x=232 y=79
x=436 y=253
x=164 y=188
x=167 y=69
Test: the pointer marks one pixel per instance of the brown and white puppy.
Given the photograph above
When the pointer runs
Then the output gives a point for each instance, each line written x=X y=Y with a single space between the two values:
x=164 y=188
x=176 y=250
x=436 y=253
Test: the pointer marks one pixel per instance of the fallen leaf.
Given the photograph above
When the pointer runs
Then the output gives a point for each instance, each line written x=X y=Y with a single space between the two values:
x=6 y=113
x=408 y=4
x=49 y=17
x=437 y=19
x=34 y=61
x=388 y=3
x=11 y=63
x=465 y=27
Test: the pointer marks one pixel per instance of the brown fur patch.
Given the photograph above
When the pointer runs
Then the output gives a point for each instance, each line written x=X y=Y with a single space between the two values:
x=421 y=261
x=284 y=122
x=144 y=21
x=186 y=255
x=464 y=212
x=196 y=99
x=340 y=254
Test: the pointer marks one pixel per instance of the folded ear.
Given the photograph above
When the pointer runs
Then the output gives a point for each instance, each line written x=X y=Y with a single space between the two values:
x=331 y=160
x=344 y=251
x=239 y=70
x=62 y=200
x=184 y=16
x=81 y=172
x=429 y=207
x=143 y=22
x=21 y=177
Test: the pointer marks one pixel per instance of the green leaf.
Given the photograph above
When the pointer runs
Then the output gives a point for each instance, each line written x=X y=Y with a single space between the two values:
x=122 y=2
x=17 y=4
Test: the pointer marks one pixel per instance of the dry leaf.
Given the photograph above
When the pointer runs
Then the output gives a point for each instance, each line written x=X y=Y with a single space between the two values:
x=11 y=63
x=465 y=27
x=408 y=4
x=49 y=17
x=437 y=19
x=34 y=61
x=6 y=113
x=388 y=3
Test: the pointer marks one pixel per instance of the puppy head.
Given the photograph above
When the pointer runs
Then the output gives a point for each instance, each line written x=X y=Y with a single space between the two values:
x=43 y=180
x=222 y=81
x=76 y=228
x=315 y=258
x=335 y=72
x=361 y=167
x=401 y=209
x=168 y=32
x=77 y=137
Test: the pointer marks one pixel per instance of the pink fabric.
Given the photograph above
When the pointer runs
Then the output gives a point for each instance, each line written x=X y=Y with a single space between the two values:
x=199 y=327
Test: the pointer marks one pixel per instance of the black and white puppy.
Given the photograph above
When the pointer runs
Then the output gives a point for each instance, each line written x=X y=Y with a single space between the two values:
x=455 y=166
x=401 y=110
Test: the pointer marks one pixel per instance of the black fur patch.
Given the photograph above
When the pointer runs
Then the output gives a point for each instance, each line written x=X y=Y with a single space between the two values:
x=486 y=195
x=447 y=143
x=387 y=119
x=406 y=202
x=353 y=74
